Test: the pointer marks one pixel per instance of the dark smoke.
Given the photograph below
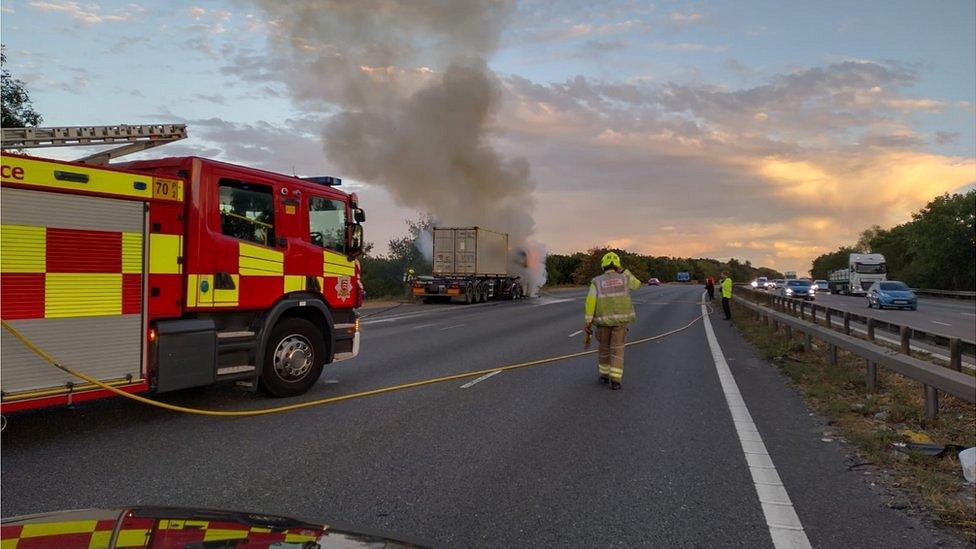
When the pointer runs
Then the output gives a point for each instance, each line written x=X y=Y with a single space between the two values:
x=412 y=100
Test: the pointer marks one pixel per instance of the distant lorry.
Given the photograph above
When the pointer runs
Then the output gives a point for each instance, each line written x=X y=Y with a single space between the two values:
x=470 y=264
x=789 y=275
x=861 y=272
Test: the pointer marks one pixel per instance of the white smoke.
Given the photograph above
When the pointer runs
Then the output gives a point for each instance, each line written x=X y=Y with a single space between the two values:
x=425 y=244
x=412 y=99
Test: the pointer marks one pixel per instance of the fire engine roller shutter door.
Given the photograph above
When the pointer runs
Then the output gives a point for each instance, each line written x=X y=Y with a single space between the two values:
x=74 y=287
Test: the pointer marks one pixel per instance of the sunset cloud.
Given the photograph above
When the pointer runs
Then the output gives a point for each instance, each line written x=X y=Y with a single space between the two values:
x=88 y=14
x=707 y=163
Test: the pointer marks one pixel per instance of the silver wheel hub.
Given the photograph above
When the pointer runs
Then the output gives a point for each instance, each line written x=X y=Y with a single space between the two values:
x=293 y=357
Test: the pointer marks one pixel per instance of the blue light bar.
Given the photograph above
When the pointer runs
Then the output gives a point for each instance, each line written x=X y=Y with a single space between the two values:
x=326 y=180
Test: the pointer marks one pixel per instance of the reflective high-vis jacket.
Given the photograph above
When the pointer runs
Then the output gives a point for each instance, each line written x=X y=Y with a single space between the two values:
x=608 y=303
x=727 y=287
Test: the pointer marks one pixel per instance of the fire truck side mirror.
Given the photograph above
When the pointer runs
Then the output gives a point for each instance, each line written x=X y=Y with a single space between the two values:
x=354 y=240
x=359 y=215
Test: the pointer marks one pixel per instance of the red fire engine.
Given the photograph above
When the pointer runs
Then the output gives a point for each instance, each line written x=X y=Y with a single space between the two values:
x=159 y=275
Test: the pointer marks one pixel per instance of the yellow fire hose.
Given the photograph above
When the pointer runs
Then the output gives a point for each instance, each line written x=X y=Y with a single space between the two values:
x=320 y=402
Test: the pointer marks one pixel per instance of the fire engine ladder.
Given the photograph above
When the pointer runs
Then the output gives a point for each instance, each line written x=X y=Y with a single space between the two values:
x=131 y=138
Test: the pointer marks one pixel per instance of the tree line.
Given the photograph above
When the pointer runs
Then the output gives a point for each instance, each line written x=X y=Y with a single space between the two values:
x=579 y=268
x=936 y=249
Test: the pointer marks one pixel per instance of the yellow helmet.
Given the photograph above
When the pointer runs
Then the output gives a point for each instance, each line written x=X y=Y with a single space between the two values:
x=610 y=259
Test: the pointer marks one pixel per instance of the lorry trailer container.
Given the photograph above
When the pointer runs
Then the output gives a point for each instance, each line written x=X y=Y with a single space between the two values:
x=470 y=264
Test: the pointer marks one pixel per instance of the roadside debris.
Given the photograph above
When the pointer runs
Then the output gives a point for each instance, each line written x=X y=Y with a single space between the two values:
x=967 y=458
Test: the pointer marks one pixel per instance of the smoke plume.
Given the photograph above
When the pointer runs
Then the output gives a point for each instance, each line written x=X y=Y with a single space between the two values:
x=410 y=100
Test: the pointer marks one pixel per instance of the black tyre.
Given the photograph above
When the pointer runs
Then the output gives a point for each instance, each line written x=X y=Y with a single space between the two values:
x=469 y=296
x=294 y=358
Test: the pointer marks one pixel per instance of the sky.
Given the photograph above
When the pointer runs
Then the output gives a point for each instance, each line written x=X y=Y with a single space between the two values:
x=765 y=131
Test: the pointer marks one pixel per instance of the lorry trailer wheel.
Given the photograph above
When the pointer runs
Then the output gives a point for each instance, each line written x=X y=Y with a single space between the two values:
x=469 y=295
x=294 y=359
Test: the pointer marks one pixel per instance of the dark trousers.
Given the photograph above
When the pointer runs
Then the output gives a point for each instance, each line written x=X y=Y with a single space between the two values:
x=727 y=308
x=711 y=292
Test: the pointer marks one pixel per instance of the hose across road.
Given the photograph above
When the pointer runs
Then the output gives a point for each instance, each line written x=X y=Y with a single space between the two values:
x=319 y=402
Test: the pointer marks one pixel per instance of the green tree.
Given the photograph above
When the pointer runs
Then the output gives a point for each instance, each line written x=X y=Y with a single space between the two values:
x=383 y=275
x=936 y=249
x=942 y=242
x=15 y=102
x=825 y=263
x=560 y=268
x=867 y=236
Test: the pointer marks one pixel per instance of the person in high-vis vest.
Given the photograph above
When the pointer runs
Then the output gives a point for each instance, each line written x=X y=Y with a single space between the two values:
x=608 y=307
x=727 y=295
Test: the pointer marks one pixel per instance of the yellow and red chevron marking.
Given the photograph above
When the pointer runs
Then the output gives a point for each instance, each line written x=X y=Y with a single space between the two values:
x=47 y=174
x=58 y=273
x=145 y=532
x=75 y=533
x=261 y=279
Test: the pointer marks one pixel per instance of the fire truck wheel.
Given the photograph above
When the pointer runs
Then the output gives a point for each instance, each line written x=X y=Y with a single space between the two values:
x=295 y=358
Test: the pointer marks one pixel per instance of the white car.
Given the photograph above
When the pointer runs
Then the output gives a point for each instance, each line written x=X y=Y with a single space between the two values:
x=822 y=286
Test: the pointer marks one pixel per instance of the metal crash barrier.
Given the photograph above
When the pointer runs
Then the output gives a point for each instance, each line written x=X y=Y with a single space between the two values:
x=933 y=378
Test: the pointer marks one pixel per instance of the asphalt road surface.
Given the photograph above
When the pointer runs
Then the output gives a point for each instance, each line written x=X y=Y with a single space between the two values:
x=543 y=456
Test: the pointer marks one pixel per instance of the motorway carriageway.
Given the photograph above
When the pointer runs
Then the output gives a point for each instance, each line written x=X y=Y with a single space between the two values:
x=706 y=445
x=950 y=317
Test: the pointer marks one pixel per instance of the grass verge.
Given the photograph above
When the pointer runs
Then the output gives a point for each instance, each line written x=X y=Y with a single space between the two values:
x=873 y=422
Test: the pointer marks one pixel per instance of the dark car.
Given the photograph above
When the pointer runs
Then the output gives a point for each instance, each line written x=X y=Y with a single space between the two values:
x=892 y=293
x=798 y=289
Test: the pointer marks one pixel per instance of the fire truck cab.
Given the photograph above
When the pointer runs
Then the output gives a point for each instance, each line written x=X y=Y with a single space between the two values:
x=164 y=274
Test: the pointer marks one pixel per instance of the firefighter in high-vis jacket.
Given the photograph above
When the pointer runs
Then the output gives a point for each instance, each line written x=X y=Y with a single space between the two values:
x=608 y=307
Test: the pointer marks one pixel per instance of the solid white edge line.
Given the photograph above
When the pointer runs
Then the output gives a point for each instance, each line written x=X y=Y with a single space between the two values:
x=942 y=323
x=480 y=379
x=784 y=525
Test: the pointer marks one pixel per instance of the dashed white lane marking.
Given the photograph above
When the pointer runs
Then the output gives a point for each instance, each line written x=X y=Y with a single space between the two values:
x=942 y=323
x=553 y=301
x=480 y=379
x=397 y=317
x=782 y=520
x=423 y=326
x=576 y=333
x=454 y=326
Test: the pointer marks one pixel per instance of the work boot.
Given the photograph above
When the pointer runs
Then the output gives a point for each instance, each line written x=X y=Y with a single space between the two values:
x=604 y=379
x=614 y=385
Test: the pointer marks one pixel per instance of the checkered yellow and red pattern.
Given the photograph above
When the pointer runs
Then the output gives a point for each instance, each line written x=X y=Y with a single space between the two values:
x=147 y=532
x=58 y=273
x=72 y=533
